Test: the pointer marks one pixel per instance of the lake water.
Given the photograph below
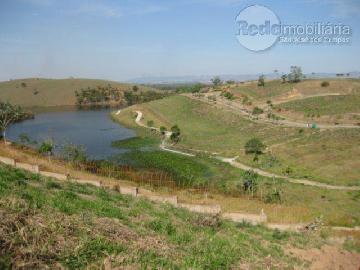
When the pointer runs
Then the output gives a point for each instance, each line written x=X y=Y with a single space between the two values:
x=93 y=129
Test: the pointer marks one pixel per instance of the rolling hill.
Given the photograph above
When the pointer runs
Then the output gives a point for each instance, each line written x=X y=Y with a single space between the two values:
x=36 y=92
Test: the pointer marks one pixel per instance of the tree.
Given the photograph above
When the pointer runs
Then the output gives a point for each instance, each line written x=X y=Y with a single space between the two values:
x=216 y=81
x=175 y=133
x=257 y=111
x=135 y=88
x=261 y=81
x=284 y=77
x=254 y=146
x=8 y=114
x=296 y=74
x=163 y=130
x=47 y=148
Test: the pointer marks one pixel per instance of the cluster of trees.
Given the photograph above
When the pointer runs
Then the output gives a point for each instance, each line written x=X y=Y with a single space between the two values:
x=9 y=114
x=296 y=75
x=100 y=95
x=132 y=97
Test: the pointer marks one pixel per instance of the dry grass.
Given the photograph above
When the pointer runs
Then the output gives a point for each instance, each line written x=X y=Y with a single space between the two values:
x=50 y=92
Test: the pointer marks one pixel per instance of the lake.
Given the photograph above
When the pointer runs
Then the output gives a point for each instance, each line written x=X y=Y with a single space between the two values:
x=93 y=129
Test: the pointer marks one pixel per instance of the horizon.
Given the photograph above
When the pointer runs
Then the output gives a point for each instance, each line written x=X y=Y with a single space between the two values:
x=135 y=39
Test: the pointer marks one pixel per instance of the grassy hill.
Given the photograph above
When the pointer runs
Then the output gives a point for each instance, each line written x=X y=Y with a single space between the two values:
x=205 y=127
x=274 y=89
x=49 y=224
x=50 y=92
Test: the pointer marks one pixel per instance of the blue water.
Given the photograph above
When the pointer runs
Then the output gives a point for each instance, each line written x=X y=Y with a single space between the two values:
x=92 y=129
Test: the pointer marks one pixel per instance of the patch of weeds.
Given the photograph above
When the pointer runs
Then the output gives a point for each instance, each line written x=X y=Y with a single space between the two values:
x=78 y=188
x=163 y=226
x=103 y=195
x=181 y=238
x=35 y=197
x=137 y=143
x=90 y=252
x=151 y=260
x=52 y=185
x=278 y=235
x=352 y=245
x=212 y=254
x=65 y=202
x=5 y=262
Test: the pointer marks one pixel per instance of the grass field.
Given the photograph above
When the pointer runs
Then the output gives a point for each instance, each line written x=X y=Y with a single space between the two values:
x=326 y=156
x=329 y=105
x=45 y=223
x=204 y=127
x=50 y=92
x=274 y=89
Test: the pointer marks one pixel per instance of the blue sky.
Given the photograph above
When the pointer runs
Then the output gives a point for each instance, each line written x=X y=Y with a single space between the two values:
x=124 y=39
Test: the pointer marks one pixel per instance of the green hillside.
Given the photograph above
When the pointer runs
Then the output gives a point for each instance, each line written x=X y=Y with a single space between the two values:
x=50 y=224
x=204 y=127
x=50 y=92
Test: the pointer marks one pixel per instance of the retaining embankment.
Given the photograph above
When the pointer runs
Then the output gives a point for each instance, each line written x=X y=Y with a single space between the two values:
x=203 y=209
x=142 y=193
x=58 y=176
x=250 y=218
x=27 y=167
x=7 y=161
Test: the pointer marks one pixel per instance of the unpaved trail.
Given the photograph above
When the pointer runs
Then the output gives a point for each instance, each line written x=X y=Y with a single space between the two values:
x=239 y=108
x=163 y=145
x=234 y=163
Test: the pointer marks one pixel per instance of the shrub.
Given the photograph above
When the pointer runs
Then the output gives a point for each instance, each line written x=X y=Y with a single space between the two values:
x=135 y=88
x=257 y=111
x=274 y=196
x=254 y=146
x=250 y=181
x=325 y=84
x=163 y=130
x=74 y=153
x=228 y=95
x=261 y=81
x=175 y=133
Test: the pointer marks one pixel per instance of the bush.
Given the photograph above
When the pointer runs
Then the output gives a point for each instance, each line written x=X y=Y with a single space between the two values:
x=273 y=197
x=257 y=111
x=250 y=181
x=254 y=146
x=228 y=95
x=163 y=130
x=175 y=133
x=325 y=84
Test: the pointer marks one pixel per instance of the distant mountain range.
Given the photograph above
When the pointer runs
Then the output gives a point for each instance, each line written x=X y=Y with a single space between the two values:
x=226 y=77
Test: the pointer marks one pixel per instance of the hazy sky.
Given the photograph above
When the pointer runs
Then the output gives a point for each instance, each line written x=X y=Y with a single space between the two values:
x=123 y=39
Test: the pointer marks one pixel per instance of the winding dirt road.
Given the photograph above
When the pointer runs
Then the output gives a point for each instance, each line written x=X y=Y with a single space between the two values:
x=163 y=145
